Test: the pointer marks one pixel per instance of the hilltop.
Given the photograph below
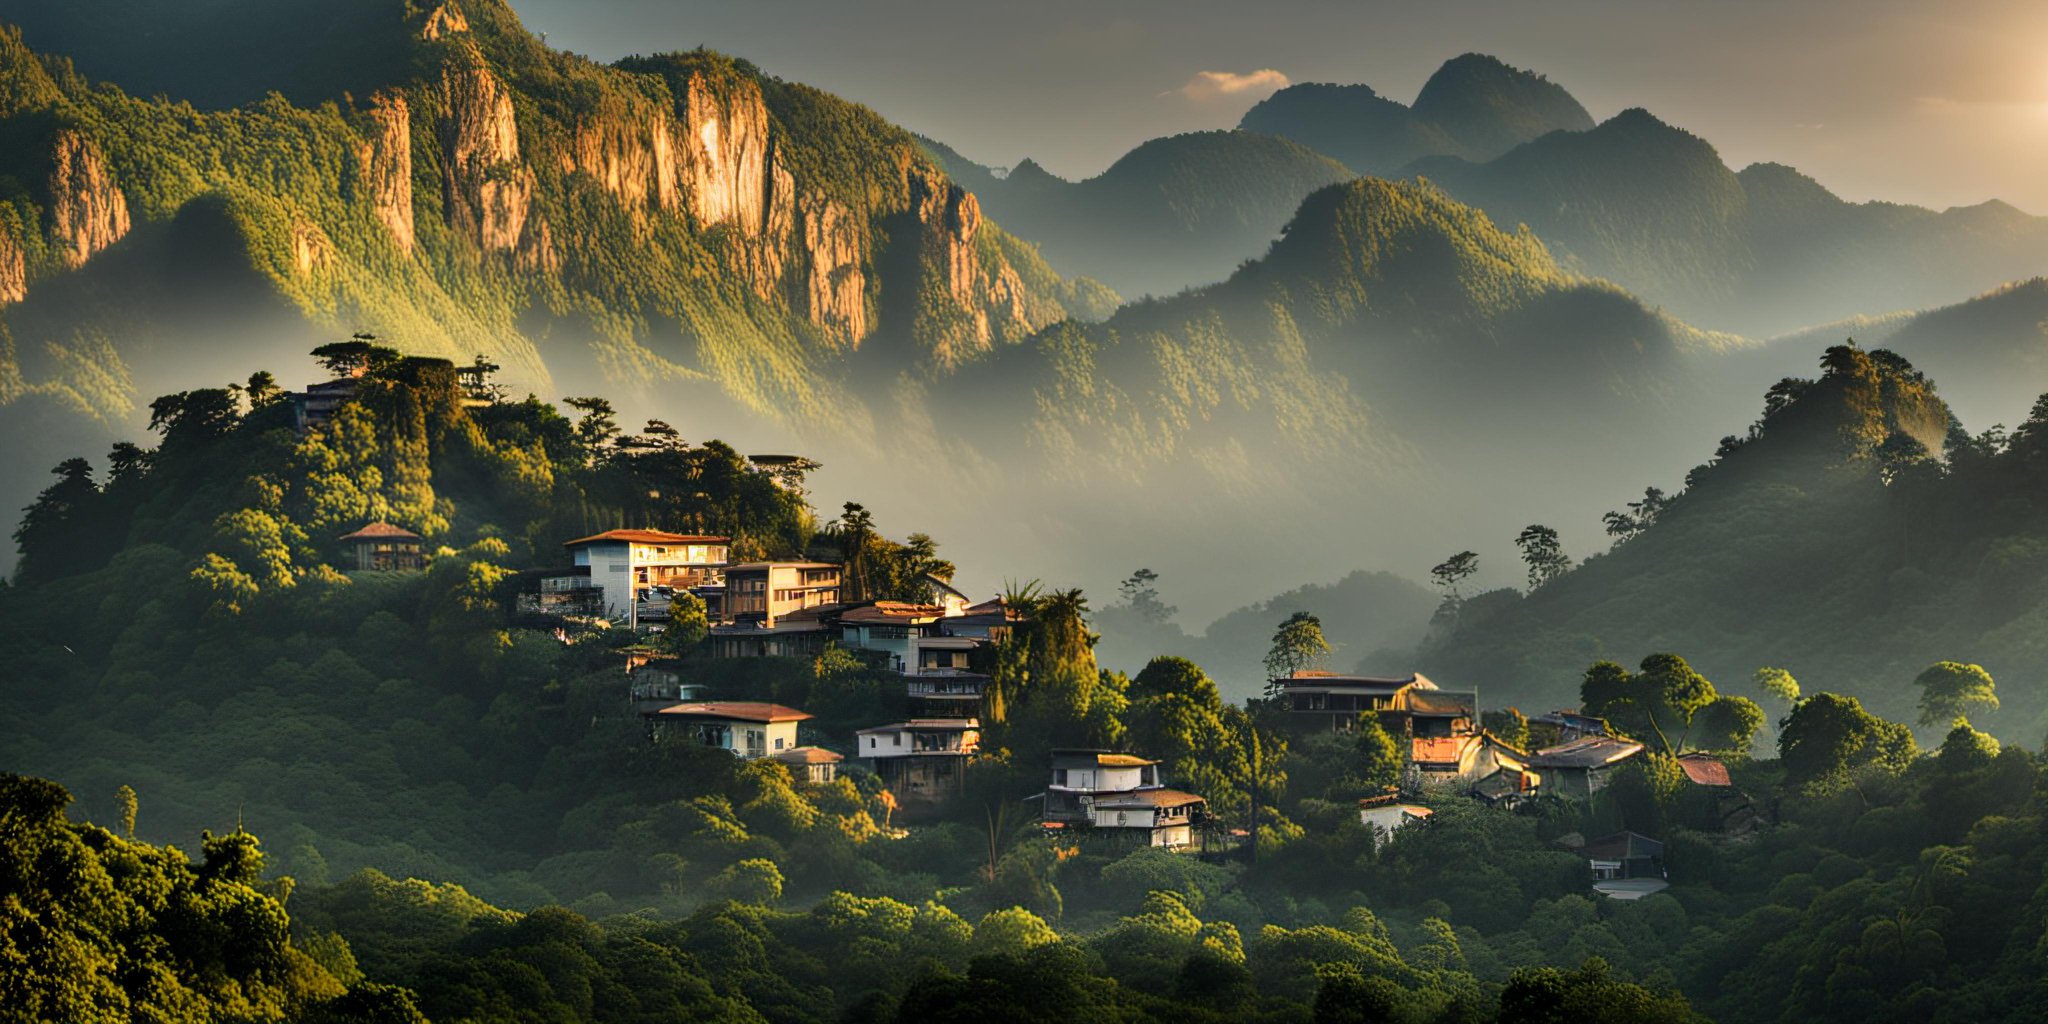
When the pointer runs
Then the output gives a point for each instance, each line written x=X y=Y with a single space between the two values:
x=1474 y=106
x=1174 y=212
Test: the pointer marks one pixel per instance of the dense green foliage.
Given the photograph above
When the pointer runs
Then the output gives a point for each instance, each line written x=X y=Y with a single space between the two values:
x=1855 y=536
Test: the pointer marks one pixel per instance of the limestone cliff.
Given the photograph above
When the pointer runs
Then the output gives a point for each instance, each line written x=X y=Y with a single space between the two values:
x=386 y=159
x=726 y=154
x=486 y=190
x=835 y=289
x=87 y=210
x=633 y=158
x=13 y=269
x=992 y=300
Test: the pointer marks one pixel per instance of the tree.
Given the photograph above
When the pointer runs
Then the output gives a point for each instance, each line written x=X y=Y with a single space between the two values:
x=262 y=391
x=1141 y=592
x=596 y=429
x=1508 y=725
x=1951 y=690
x=1660 y=700
x=54 y=529
x=1641 y=515
x=1454 y=570
x=1543 y=553
x=1167 y=675
x=359 y=356
x=1726 y=724
x=476 y=380
x=1297 y=645
x=689 y=622
x=1778 y=683
x=129 y=804
x=1827 y=735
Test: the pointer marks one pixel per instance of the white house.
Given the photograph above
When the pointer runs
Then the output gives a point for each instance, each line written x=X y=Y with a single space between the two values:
x=923 y=758
x=1100 y=790
x=749 y=729
x=625 y=562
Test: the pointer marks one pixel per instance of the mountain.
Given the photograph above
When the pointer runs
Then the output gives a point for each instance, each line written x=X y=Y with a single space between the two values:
x=680 y=225
x=1174 y=212
x=1761 y=251
x=1852 y=537
x=1375 y=385
x=1474 y=106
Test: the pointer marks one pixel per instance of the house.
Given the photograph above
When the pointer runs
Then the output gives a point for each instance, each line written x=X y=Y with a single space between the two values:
x=762 y=593
x=890 y=629
x=940 y=684
x=1465 y=757
x=810 y=764
x=1388 y=813
x=1506 y=787
x=316 y=405
x=920 y=759
x=1409 y=705
x=1097 y=789
x=749 y=729
x=381 y=546
x=799 y=634
x=564 y=592
x=1625 y=865
x=1713 y=792
x=1582 y=767
x=1564 y=726
x=623 y=563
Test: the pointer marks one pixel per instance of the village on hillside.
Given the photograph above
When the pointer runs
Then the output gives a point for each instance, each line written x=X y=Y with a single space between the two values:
x=940 y=648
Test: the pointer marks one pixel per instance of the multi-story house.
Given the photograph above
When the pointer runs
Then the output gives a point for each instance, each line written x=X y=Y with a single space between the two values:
x=624 y=563
x=1120 y=794
x=923 y=759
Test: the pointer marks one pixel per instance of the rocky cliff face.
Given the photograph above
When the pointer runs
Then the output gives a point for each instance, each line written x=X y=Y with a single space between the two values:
x=951 y=218
x=87 y=210
x=386 y=158
x=13 y=269
x=486 y=189
x=632 y=158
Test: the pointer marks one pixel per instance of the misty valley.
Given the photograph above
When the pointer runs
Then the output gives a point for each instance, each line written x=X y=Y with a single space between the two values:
x=505 y=535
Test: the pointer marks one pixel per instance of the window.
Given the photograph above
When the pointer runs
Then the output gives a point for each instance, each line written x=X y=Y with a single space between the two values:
x=871 y=743
x=778 y=743
x=1059 y=776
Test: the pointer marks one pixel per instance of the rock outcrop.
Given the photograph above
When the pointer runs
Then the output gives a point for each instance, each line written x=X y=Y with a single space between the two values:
x=13 y=269
x=445 y=20
x=835 y=288
x=633 y=158
x=87 y=210
x=991 y=300
x=386 y=158
x=727 y=165
x=486 y=189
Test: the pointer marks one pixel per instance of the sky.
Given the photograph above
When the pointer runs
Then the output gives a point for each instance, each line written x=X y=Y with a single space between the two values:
x=1938 y=104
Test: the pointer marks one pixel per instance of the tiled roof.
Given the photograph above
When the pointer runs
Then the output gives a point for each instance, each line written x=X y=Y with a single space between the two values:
x=381 y=530
x=648 y=537
x=892 y=611
x=1586 y=752
x=807 y=755
x=1705 y=770
x=737 y=710
x=1440 y=749
x=1150 y=798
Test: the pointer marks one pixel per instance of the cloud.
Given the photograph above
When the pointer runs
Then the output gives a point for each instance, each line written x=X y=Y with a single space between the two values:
x=1214 y=85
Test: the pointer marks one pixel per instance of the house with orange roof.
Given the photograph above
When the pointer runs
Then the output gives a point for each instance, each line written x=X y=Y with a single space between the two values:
x=748 y=729
x=625 y=563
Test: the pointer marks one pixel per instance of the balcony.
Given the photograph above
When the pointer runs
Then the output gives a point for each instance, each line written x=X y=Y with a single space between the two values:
x=954 y=683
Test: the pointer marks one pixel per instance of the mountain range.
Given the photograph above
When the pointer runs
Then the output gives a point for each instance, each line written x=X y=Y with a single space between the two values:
x=1386 y=370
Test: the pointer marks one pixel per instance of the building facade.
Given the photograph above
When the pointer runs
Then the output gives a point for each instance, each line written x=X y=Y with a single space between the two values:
x=382 y=547
x=1120 y=794
x=624 y=563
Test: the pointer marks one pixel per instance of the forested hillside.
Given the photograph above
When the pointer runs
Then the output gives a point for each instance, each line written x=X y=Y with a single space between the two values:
x=436 y=781
x=1854 y=536
x=681 y=225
